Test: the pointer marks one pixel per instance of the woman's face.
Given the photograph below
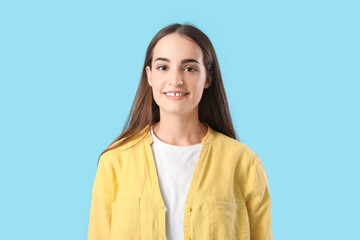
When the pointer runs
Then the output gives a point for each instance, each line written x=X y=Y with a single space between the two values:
x=177 y=68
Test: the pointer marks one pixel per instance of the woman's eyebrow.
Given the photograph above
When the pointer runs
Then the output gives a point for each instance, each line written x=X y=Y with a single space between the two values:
x=183 y=61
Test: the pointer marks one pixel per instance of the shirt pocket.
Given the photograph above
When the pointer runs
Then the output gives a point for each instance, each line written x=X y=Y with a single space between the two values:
x=125 y=222
x=228 y=219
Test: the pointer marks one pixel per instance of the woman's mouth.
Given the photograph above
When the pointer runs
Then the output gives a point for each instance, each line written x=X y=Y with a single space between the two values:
x=175 y=95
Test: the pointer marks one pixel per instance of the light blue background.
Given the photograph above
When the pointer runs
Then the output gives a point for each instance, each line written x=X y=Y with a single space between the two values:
x=69 y=71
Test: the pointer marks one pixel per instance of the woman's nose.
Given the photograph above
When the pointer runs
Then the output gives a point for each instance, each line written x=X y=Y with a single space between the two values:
x=175 y=78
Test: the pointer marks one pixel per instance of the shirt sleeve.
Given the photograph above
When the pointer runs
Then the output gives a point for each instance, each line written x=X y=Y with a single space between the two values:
x=258 y=203
x=100 y=210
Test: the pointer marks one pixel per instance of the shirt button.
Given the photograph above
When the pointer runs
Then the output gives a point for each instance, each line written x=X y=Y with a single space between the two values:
x=188 y=209
x=188 y=238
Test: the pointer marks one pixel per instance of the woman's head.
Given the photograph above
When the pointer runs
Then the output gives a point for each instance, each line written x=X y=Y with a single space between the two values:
x=209 y=60
x=177 y=68
x=212 y=107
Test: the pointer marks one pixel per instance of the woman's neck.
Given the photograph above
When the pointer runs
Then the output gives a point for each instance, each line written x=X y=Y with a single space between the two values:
x=180 y=131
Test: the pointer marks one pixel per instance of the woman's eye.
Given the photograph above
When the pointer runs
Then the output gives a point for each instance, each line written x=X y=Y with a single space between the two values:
x=190 y=69
x=161 y=68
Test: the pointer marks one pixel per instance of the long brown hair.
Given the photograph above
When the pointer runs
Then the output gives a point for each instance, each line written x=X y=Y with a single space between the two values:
x=213 y=106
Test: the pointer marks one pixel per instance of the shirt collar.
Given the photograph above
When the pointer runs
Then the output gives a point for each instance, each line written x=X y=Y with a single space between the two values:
x=206 y=139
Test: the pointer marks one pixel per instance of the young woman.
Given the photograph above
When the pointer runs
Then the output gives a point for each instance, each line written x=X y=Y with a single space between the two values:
x=177 y=171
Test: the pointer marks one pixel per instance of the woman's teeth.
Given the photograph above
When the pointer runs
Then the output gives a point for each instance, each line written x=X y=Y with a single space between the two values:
x=174 y=94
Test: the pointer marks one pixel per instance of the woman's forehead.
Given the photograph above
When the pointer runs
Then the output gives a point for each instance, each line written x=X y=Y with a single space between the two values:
x=176 y=48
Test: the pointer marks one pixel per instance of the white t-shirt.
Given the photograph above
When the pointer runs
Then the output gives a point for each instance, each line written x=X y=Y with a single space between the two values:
x=175 y=167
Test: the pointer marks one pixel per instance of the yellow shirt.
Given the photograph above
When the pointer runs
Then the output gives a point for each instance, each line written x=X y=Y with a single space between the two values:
x=228 y=199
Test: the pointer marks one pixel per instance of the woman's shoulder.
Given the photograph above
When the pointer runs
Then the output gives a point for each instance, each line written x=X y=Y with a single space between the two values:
x=227 y=142
x=235 y=153
x=122 y=150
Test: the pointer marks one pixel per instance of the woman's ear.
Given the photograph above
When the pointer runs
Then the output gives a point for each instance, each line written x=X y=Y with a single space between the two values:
x=207 y=82
x=148 y=74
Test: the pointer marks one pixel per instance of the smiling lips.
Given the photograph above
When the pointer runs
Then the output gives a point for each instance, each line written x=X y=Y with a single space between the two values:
x=175 y=95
